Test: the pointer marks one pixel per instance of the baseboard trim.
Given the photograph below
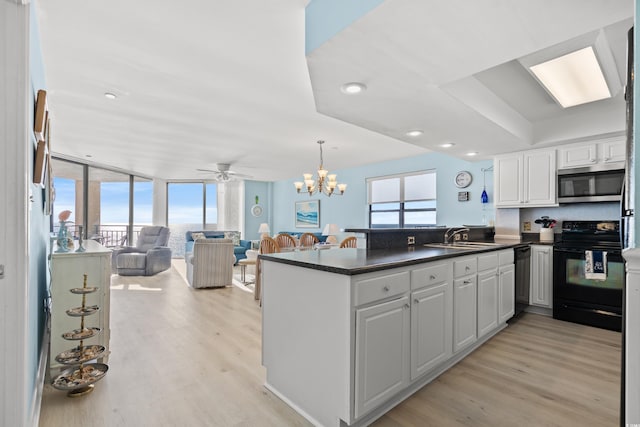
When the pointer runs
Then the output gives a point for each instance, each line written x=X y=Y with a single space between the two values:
x=36 y=400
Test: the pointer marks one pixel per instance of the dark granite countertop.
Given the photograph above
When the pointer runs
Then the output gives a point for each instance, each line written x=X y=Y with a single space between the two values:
x=359 y=261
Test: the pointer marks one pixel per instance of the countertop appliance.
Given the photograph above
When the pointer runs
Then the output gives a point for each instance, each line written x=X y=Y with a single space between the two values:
x=577 y=298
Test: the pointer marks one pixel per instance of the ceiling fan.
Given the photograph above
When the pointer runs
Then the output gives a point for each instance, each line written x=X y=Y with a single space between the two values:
x=222 y=173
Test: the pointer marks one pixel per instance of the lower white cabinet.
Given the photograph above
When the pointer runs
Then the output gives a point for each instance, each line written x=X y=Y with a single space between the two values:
x=506 y=292
x=464 y=312
x=487 y=301
x=541 y=275
x=382 y=353
x=431 y=335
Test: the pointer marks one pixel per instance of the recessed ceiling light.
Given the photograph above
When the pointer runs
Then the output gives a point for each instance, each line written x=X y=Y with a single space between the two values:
x=472 y=153
x=110 y=95
x=447 y=145
x=415 y=132
x=573 y=79
x=353 y=88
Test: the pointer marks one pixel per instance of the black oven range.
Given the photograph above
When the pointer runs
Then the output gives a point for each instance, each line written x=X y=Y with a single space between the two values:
x=581 y=295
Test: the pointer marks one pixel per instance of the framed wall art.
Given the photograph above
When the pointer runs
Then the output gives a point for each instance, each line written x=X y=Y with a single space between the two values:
x=307 y=214
x=40 y=117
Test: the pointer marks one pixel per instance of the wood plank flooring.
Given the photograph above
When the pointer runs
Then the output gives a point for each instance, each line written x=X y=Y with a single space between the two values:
x=185 y=357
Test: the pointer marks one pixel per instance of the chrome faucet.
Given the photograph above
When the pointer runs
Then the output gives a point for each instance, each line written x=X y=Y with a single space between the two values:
x=448 y=236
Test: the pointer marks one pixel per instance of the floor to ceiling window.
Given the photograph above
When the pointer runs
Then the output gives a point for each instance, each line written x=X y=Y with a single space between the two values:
x=111 y=206
x=191 y=206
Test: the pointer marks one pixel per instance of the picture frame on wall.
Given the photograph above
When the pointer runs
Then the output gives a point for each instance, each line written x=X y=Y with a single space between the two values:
x=40 y=116
x=307 y=214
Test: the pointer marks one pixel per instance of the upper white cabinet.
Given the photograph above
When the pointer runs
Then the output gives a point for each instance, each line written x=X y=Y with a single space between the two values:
x=526 y=179
x=610 y=150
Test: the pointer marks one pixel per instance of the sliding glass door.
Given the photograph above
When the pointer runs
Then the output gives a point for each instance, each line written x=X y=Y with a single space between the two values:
x=191 y=206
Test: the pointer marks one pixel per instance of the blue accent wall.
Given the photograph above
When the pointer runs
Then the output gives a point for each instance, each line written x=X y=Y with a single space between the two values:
x=326 y=18
x=351 y=210
x=38 y=226
x=252 y=223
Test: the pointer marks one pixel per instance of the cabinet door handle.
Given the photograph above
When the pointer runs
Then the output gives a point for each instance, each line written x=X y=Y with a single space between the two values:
x=406 y=306
x=385 y=288
x=467 y=282
x=432 y=277
x=467 y=268
x=416 y=301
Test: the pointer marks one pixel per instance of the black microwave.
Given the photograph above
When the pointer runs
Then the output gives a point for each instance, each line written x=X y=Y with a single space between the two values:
x=590 y=184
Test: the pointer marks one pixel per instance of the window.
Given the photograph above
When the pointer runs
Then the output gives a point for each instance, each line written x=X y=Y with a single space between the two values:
x=100 y=200
x=191 y=206
x=400 y=201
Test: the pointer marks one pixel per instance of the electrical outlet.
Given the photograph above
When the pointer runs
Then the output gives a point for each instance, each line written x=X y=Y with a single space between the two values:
x=411 y=240
x=526 y=226
x=456 y=237
x=465 y=236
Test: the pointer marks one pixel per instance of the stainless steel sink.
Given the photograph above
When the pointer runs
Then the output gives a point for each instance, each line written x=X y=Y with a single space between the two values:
x=462 y=245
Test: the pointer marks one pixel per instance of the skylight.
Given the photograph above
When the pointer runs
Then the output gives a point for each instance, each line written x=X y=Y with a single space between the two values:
x=573 y=79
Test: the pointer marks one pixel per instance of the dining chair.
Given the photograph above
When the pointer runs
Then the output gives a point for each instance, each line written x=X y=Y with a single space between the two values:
x=349 y=242
x=268 y=245
x=285 y=241
x=307 y=240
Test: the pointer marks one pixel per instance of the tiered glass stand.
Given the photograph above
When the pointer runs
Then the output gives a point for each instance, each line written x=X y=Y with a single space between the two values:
x=78 y=380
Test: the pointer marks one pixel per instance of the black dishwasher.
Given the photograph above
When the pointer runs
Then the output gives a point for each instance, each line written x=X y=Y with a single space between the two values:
x=522 y=255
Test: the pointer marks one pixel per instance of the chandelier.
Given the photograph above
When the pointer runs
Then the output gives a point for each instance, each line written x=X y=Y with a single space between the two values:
x=326 y=183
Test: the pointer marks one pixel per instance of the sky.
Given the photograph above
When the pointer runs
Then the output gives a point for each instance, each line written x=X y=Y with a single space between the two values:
x=185 y=202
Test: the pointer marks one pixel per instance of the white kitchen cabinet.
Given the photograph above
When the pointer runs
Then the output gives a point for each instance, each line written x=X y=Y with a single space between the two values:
x=67 y=271
x=431 y=317
x=487 y=301
x=487 y=292
x=506 y=297
x=609 y=150
x=464 y=302
x=382 y=353
x=525 y=179
x=541 y=275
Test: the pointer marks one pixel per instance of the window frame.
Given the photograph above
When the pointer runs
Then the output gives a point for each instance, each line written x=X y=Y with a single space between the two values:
x=402 y=209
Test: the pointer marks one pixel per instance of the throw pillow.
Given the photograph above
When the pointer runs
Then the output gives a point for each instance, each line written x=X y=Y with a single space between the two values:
x=234 y=236
x=197 y=235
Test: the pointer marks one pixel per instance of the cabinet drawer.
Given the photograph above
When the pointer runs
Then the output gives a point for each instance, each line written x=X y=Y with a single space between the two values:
x=429 y=275
x=487 y=261
x=465 y=266
x=505 y=257
x=377 y=288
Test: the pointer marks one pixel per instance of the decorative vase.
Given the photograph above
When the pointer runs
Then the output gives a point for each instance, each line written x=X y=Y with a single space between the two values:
x=62 y=238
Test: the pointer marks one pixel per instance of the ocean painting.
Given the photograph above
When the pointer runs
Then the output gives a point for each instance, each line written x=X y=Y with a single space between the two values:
x=308 y=214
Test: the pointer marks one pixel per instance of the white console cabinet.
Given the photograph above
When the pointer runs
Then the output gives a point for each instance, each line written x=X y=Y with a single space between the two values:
x=67 y=271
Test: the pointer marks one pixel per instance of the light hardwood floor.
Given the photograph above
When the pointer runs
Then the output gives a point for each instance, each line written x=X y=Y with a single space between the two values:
x=185 y=357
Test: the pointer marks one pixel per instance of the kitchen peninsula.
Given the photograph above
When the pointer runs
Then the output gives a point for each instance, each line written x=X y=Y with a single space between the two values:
x=349 y=333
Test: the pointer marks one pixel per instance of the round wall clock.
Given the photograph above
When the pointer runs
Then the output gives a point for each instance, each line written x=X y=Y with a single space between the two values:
x=256 y=210
x=463 y=179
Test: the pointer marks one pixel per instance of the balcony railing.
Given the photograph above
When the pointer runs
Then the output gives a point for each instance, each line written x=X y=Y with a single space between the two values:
x=109 y=235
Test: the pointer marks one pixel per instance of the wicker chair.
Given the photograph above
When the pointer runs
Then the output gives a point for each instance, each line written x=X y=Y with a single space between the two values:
x=285 y=241
x=210 y=265
x=268 y=245
x=349 y=242
x=307 y=240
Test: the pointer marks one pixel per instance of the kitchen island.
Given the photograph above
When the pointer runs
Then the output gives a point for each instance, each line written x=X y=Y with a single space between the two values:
x=349 y=333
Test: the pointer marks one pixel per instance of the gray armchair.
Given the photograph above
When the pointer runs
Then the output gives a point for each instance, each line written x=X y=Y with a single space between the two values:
x=150 y=255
